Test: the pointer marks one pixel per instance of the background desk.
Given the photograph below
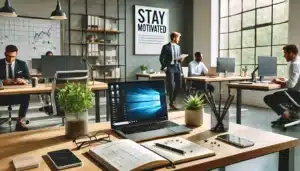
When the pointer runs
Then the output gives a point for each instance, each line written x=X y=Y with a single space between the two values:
x=38 y=142
x=161 y=76
x=47 y=88
x=254 y=86
x=220 y=79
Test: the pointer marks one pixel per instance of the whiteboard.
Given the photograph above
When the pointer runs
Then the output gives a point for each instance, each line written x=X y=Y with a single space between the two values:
x=33 y=37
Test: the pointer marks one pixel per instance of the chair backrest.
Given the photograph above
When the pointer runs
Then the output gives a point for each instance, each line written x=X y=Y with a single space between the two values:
x=63 y=77
x=185 y=71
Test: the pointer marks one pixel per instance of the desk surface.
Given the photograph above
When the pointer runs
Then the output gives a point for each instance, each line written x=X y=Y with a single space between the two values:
x=38 y=142
x=43 y=88
x=218 y=78
x=156 y=75
x=255 y=86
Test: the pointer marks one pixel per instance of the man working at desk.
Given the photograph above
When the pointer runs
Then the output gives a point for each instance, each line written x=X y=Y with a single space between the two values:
x=15 y=72
x=198 y=68
x=293 y=82
x=170 y=60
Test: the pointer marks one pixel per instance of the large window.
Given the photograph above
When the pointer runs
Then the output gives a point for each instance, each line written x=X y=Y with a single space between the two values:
x=252 y=28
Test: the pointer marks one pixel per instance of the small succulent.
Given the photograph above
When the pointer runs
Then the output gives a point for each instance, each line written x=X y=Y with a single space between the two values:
x=144 y=67
x=195 y=102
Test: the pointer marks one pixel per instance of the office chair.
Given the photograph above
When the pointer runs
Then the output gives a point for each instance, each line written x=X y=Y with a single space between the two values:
x=10 y=118
x=192 y=89
x=61 y=78
x=293 y=110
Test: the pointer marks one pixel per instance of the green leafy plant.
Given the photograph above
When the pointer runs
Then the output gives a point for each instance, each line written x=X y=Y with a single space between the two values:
x=195 y=102
x=75 y=98
x=143 y=67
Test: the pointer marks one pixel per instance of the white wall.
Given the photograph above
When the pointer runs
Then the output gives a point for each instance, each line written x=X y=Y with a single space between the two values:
x=205 y=19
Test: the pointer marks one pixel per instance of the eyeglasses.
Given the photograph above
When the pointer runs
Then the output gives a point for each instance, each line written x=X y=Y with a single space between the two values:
x=86 y=140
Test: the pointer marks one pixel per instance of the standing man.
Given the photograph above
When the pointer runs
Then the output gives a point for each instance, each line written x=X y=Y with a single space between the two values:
x=293 y=82
x=15 y=72
x=198 y=68
x=170 y=62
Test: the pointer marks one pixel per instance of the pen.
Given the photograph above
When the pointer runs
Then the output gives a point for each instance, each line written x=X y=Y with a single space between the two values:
x=169 y=148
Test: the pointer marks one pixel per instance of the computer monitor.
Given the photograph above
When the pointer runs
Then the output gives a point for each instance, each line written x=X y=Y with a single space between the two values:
x=137 y=101
x=226 y=64
x=36 y=64
x=51 y=64
x=267 y=66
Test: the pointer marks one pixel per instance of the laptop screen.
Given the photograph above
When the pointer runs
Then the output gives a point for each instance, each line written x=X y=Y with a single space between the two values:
x=138 y=101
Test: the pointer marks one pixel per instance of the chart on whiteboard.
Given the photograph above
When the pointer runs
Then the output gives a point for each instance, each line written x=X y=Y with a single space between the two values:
x=33 y=37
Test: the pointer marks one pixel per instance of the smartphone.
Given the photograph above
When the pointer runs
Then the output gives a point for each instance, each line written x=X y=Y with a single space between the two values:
x=235 y=140
x=63 y=159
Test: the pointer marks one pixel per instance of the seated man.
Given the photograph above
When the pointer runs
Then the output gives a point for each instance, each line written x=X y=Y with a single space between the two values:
x=198 y=68
x=15 y=72
x=293 y=82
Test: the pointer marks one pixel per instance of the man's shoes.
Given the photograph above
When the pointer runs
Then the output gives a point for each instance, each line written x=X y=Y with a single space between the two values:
x=21 y=127
x=172 y=107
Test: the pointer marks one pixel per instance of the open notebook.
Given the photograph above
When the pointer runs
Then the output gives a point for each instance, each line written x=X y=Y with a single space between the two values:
x=128 y=155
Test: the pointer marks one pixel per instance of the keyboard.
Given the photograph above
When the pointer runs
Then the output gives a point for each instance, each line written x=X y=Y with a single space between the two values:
x=148 y=127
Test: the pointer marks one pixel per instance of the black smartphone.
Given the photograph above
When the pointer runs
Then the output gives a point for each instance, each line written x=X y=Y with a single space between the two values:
x=63 y=159
x=235 y=140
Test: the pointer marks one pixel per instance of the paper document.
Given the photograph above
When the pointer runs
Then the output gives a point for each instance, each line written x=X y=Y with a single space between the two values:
x=183 y=56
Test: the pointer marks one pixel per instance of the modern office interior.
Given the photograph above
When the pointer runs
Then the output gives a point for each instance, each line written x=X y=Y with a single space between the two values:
x=149 y=85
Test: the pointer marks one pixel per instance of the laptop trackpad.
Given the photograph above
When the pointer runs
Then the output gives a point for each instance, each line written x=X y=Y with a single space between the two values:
x=180 y=129
x=149 y=134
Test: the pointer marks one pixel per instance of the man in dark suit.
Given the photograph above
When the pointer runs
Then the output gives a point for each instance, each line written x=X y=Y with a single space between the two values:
x=170 y=60
x=15 y=72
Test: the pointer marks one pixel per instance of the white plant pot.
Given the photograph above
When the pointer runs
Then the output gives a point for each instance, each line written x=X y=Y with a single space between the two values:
x=194 y=117
x=76 y=124
x=144 y=72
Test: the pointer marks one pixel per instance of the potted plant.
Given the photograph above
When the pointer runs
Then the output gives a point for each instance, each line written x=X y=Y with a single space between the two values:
x=194 y=110
x=144 y=68
x=244 y=71
x=75 y=99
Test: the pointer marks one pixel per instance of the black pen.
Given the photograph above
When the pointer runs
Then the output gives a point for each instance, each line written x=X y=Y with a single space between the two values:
x=169 y=148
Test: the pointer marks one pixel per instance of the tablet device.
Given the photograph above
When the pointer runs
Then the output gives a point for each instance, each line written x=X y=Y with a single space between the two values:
x=235 y=140
x=63 y=159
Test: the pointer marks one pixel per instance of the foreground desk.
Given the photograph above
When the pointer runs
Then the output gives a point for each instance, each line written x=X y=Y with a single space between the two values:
x=38 y=142
x=254 y=86
x=46 y=88
x=151 y=76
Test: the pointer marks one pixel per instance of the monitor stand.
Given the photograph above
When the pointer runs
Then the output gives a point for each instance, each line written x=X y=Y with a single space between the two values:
x=225 y=74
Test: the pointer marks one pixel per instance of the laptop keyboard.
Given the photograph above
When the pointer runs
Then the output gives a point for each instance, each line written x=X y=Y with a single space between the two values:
x=149 y=127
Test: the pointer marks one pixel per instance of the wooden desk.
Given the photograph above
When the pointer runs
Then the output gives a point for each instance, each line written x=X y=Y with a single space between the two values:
x=38 y=142
x=253 y=86
x=46 y=88
x=151 y=76
x=220 y=79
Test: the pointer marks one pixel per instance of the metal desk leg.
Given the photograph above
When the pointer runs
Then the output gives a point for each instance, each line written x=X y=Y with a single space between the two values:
x=97 y=106
x=107 y=106
x=222 y=169
x=238 y=105
x=287 y=160
x=229 y=88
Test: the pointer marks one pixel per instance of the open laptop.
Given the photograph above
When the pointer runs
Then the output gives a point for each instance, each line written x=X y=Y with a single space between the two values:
x=139 y=110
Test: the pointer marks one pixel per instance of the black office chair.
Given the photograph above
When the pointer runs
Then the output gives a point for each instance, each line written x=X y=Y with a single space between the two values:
x=293 y=110
x=9 y=119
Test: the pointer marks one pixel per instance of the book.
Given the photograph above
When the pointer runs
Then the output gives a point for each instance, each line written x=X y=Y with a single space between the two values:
x=128 y=155
x=25 y=163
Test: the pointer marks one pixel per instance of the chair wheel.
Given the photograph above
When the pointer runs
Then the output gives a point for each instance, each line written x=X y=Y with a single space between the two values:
x=27 y=122
x=284 y=129
x=273 y=125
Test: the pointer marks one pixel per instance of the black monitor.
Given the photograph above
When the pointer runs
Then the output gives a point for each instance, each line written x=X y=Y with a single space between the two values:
x=267 y=66
x=225 y=65
x=51 y=64
x=36 y=64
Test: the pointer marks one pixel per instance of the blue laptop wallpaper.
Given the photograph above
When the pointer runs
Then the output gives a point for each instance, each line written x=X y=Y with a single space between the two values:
x=145 y=101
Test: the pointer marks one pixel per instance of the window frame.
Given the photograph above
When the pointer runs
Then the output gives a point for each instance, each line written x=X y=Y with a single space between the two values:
x=255 y=27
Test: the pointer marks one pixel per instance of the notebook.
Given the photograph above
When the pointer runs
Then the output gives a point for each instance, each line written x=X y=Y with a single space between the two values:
x=127 y=155
x=25 y=163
